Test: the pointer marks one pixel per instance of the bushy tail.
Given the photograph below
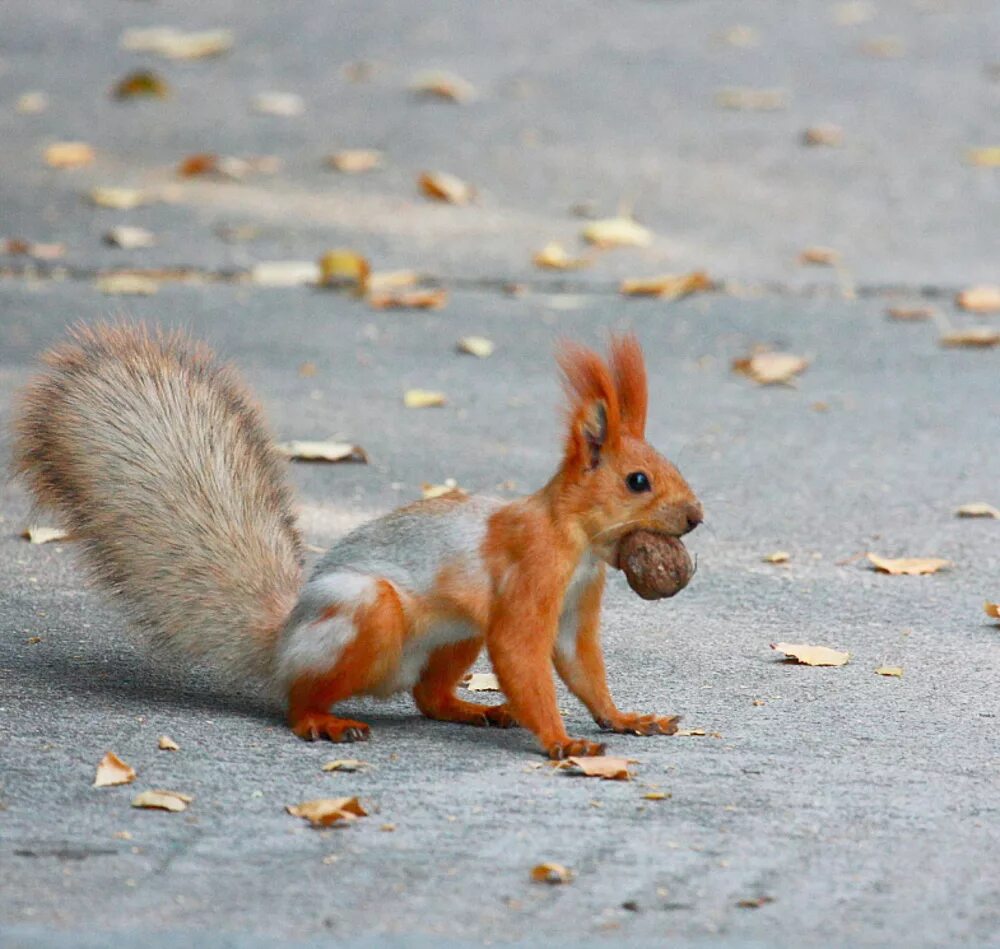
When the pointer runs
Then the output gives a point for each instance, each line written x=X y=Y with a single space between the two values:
x=157 y=461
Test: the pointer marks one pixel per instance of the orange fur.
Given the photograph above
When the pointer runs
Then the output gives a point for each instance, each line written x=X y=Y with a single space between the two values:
x=628 y=369
x=435 y=693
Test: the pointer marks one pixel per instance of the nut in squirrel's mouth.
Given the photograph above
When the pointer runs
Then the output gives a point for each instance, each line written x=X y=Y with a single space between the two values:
x=656 y=564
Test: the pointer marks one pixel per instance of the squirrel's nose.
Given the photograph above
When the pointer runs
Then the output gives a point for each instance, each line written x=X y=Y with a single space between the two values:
x=694 y=514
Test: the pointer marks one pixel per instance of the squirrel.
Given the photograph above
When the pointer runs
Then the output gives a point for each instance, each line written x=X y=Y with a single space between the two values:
x=157 y=461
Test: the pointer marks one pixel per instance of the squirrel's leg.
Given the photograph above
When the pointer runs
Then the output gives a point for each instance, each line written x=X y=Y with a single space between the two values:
x=435 y=692
x=351 y=644
x=521 y=638
x=580 y=664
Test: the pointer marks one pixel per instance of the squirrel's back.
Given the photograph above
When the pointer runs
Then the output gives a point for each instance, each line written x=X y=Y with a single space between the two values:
x=157 y=461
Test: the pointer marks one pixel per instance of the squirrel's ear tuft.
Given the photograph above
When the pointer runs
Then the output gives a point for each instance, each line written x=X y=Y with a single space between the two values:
x=594 y=415
x=629 y=371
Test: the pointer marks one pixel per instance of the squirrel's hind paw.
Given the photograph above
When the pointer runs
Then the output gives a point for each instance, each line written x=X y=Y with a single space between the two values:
x=320 y=725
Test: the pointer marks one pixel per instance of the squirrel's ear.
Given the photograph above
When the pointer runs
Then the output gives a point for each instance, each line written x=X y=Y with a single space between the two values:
x=629 y=371
x=594 y=415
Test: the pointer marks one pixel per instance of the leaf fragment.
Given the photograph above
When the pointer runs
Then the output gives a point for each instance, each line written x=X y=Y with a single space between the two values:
x=478 y=346
x=442 y=186
x=127 y=284
x=327 y=811
x=283 y=104
x=111 y=771
x=39 y=534
x=606 y=767
x=807 y=655
x=891 y=671
x=667 y=286
x=755 y=903
x=779 y=556
x=741 y=98
x=423 y=399
x=819 y=256
x=129 y=238
x=166 y=743
x=158 y=800
x=973 y=337
x=176 y=44
x=323 y=451
x=984 y=298
x=69 y=155
x=141 y=84
x=483 y=682
x=617 y=232
x=907 y=566
x=381 y=281
x=884 y=47
x=552 y=873
x=120 y=199
x=771 y=368
x=342 y=267
x=977 y=509
x=31 y=103
x=992 y=609
x=655 y=796
x=690 y=733
x=16 y=246
x=444 y=85
x=430 y=491
x=284 y=273
x=987 y=157
x=825 y=134
x=910 y=313
x=409 y=300
x=354 y=161
x=553 y=256
x=343 y=764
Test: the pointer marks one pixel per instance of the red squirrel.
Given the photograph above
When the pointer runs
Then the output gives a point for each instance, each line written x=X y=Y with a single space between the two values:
x=158 y=462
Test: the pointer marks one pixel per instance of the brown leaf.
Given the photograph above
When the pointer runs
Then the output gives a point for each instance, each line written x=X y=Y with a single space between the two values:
x=752 y=100
x=409 y=300
x=893 y=671
x=992 y=609
x=430 y=491
x=910 y=313
x=769 y=368
x=988 y=157
x=343 y=764
x=599 y=766
x=617 y=232
x=176 y=44
x=974 y=337
x=553 y=256
x=441 y=186
x=423 y=399
x=478 y=346
x=326 y=811
x=907 y=566
x=984 y=298
x=323 y=451
x=978 y=509
x=112 y=770
x=779 y=556
x=354 y=161
x=129 y=238
x=143 y=83
x=553 y=873
x=342 y=267
x=162 y=800
x=812 y=655
x=820 y=256
x=69 y=155
x=37 y=534
x=166 y=743
x=441 y=84
x=667 y=286
x=756 y=903
x=483 y=682
x=201 y=163
x=826 y=134
x=127 y=284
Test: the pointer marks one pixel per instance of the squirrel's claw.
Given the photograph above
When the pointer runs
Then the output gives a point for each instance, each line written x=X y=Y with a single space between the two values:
x=632 y=723
x=574 y=748
x=314 y=726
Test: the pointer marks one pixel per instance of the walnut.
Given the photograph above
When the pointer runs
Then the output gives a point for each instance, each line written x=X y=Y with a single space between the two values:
x=656 y=565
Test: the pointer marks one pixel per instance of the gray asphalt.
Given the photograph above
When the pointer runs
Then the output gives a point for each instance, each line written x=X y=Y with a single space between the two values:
x=864 y=808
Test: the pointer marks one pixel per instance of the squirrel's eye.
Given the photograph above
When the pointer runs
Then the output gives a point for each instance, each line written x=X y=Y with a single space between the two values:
x=638 y=482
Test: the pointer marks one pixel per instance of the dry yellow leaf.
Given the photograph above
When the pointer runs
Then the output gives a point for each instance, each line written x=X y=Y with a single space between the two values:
x=807 y=655
x=129 y=238
x=907 y=566
x=69 y=155
x=112 y=770
x=984 y=298
x=655 y=796
x=910 y=313
x=442 y=186
x=143 y=83
x=667 y=286
x=354 y=161
x=31 y=103
x=974 y=337
x=326 y=811
x=443 y=85
x=478 y=346
x=37 y=534
x=127 y=284
x=551 y=873
x=825 y=134
x=323 y=451
x=343 y=764
x=284 y=273
x=172 y=801
x=284 y=104
x=978 y=509
x=893 y=671
x=988 y=157
x=483 y=682
x=423 y=399
x=752 y=100
x=599 y=766
x=769 y=368
x=341 y=267
x=408 y=300
x=992 y=609
x=779 y=556
x=176 y=44
x=166 y=743
x=821 y=256
x=690 y=733
x=553 y=256
x=617 y=232
x=121 y=199
x=430 y=491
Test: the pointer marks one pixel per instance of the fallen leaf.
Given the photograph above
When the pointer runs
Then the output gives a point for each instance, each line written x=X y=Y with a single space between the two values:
x=553 y=873
x=441 y=84
x=442 y=186
x=16 y=246
x=655 y=796
x=31 y=103
x=826 y=134
x=752 y=100
x=483 y=682
x=812 y=655
x=127 y=284
x=984 y=298
x=343 y=764
x=166 y=743
x=129 y=238
x=769 y=368
x=382 y=281
x=884 y=47
x=284 y=104
x=162 y=800
x=821 y=256
x=69 y=155
x=284 y=273
x=853 y=12
x=910 y=313
x=37 y=534
x=354 y=161
x=341 y=267
x=553 y=256
x=307 y=370
x=599 y=766
x=326 y=811
x=323 y=451
x=387 y=828
x=112 y=770
x=121 y=199
x=430 y=491
x=974 y=337
x=143 y=83
x=201 y=163
x=988 y=157
x=978 y=509
x=176 y=44
x=409 y=300
x=907 y=566
x=894 y=671
x=122 y=835
x=756 y=903
x=668 y=286
x=690 y=733
x=617 y=232
x=33 y=640
x=423 y=399
x=992 y=609
x=779 y=556
x=478 y=346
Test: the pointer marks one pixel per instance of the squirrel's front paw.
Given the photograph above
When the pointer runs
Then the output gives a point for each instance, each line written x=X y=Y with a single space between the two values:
x=632 y=723
x=574 y=748
x=314 y=725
